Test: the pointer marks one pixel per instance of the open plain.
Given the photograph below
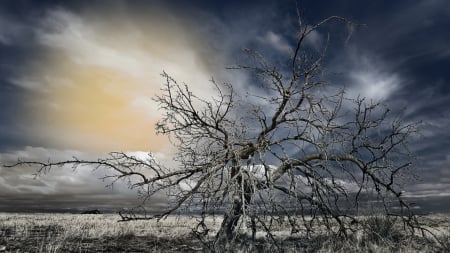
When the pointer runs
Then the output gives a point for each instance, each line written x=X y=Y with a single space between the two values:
x=103 y=233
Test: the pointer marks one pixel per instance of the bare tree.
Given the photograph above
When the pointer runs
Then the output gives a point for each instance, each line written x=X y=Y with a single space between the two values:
x=298 y=150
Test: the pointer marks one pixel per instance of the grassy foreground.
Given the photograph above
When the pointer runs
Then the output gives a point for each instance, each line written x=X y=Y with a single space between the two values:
x=102 y=233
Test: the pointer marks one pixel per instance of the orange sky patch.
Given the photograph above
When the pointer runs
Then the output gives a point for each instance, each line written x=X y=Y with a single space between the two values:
x=95 y=80
x=94 y=108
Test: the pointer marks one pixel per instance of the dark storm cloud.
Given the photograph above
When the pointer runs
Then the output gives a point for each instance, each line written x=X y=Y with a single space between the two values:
x=12 y=51
x=416 y=45
x=401 y=56
x=412 y=41
x=17 y=45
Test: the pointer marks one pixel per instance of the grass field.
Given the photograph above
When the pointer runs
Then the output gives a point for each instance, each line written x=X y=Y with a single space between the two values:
x=102 y=233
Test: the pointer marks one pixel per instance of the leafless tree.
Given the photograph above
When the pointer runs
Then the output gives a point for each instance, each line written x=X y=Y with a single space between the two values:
x=298 y=151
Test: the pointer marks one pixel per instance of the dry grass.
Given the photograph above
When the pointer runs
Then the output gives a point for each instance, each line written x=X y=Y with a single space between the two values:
x=102 y=233
x=87 y=233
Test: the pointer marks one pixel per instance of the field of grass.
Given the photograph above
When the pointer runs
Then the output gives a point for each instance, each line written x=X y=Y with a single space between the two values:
x=102 y=233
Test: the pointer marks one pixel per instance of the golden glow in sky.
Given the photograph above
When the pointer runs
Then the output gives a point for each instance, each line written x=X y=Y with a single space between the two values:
x=99 y=108
x=91 y=88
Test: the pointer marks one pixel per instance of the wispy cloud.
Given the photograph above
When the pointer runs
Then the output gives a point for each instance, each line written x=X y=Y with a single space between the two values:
x=12 y=32
x=368 y=77
x=277 y=42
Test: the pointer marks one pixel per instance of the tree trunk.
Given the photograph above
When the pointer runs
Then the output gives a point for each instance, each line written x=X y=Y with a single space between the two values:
x=241 y=200
x=230 y=221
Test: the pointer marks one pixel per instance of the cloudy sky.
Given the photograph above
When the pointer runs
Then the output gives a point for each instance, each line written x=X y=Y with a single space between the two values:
x=76 y=78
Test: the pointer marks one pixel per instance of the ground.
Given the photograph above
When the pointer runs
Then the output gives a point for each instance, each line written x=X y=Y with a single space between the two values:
x=103 y=233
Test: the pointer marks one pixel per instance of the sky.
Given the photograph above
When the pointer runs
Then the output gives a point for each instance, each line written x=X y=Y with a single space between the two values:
x=77 y=78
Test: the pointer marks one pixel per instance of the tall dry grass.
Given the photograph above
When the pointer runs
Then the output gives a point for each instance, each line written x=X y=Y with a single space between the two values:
x=103 y=233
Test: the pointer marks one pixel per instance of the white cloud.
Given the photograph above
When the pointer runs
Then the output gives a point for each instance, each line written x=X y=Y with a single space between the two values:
x=427 y=190
x=277 y=42
x=39 y=153
x=259 y=170
x=29 y=84
x=187 y=185
x=369 y=80
x=160 y=158
x=145 y=105
x=373 y=85
x=84 y=44
x=314 y=40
